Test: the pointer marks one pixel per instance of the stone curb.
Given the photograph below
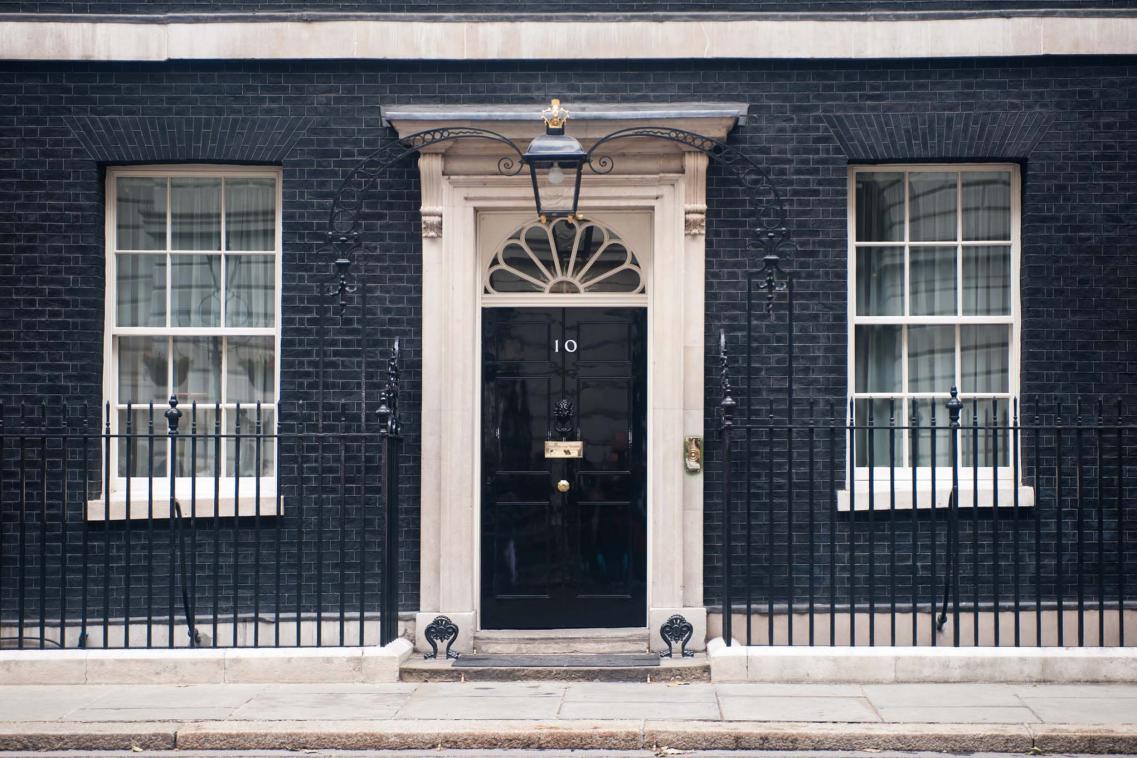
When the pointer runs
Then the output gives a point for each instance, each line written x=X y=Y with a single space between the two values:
x=570 y=735
x=419 y=735
x=91 y=736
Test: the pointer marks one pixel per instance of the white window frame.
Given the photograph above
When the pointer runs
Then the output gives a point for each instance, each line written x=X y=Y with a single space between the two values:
x=237 y=495
x=880 y=476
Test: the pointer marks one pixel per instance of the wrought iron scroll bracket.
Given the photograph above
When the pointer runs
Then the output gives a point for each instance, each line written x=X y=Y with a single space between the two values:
x=774 y=279
x=388 y=411
x=767 y=208
x=442 y=629
x=344 y=226
x=677 y=630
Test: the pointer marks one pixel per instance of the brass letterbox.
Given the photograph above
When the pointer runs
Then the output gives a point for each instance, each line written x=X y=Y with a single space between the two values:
x=568 y=449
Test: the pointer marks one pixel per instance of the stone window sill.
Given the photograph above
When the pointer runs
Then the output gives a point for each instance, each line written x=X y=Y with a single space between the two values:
x=226 y=506
x=905 y=499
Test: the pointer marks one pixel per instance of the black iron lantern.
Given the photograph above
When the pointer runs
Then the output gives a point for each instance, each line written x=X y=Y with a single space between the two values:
x=554 y=159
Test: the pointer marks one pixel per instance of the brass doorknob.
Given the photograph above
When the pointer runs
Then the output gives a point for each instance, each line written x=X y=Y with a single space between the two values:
x=563 y=486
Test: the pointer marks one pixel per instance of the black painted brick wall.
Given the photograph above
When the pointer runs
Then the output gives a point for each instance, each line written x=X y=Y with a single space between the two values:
x=1080 y=179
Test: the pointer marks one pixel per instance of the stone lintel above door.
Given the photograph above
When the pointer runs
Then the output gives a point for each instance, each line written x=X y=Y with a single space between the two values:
x=587 y=121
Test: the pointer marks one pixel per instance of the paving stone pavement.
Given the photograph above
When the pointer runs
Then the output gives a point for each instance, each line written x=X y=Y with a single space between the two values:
x=1088 y=704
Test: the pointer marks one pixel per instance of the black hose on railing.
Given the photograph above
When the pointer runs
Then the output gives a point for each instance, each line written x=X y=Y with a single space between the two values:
x=948 y=573
x=183 y=571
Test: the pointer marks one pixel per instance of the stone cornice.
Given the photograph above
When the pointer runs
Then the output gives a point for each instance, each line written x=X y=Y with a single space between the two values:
x=570 y=37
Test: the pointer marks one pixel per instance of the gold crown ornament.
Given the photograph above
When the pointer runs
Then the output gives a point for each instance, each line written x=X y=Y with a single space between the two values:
x=555 y=116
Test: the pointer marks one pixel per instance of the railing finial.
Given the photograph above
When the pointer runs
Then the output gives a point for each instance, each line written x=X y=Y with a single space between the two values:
x=954 y=407
x=173 y=415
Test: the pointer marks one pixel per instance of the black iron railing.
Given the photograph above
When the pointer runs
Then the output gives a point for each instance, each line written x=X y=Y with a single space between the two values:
x=296 y=545
x=941 y=522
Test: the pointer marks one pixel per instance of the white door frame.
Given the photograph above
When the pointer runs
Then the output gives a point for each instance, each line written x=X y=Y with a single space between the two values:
x=451 y=313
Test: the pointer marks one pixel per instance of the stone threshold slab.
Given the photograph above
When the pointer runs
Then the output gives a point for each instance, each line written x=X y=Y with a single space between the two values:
x=568 y=735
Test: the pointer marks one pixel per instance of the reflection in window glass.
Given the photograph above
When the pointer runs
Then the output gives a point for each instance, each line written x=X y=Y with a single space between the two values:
x=987 y=280
x=880 y=281
x=932 y=279
x=932 y=200
x=250 y=286
x=195 y=282
x=251 y=370
x=143 y=365
x=244 y=453
x=140 y=285
x=878 y=359
x=931 y=358
x=195 y=214
x=250 y=214
x=987 y=205
x=985 y=355
x=875 y=443
x=140 y=213
x=880 y=207
x=197 y=369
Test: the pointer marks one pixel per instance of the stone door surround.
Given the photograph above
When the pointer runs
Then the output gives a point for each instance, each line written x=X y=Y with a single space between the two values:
x=459 y=181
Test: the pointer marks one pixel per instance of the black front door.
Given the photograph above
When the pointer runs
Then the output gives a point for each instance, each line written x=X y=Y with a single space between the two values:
x=564 y=539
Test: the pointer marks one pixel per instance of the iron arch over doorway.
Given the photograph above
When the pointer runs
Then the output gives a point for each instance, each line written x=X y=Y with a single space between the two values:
x=343 y=231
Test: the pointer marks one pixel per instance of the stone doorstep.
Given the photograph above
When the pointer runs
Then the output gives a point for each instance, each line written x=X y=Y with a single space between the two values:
x=567 y=735
x=206 y=666
x=695 y=669
x=883 y=665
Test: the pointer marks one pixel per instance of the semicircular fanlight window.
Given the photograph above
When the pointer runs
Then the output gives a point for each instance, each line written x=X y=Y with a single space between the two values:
x=564 y=258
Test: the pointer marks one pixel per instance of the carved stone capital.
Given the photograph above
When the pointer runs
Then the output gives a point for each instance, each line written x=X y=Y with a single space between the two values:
x=695 y=220
x=431 y=223
x=695 y=207
x=430 y=173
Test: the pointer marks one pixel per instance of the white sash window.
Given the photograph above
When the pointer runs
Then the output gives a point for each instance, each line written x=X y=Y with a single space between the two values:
x=934 y=273
x=193 y=294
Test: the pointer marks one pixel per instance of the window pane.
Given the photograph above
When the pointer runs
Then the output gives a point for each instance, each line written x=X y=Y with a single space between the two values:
x=932 y=280
x=195 y=214
x=197 y=369
x=878 y=438
x=196 y=452
x=931 y=358
x=984 y=435
x=251 y=290
x=985 y=355
x=987 y=281
x=987 y=205
x=931 y=198
x=250 y=214
x=196 y=284
x=142 y=369
x=140 y=213
x=880 y=281
x=923 y=437
x=878 y=359
x=251 y=370
x=880 y=207
x=247 y=444
x=140 y=288
x=135 y=443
